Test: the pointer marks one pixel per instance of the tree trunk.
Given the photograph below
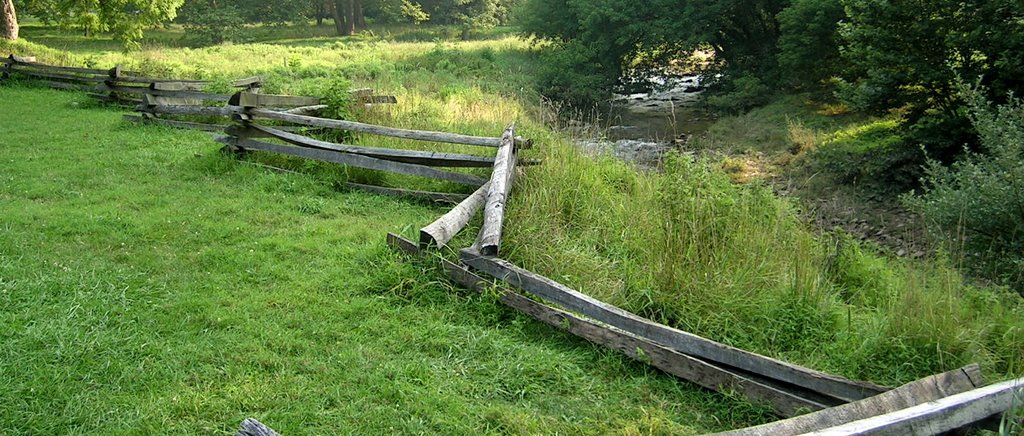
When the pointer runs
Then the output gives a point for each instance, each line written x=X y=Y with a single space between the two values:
x=360 y=20
x=350 y=17
x=8 y=20
x=320 y=12
x=338 y=10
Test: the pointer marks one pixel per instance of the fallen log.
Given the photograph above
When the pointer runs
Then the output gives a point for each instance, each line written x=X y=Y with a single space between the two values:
x=252 y=427
x=428 y=158
x=941 y=415
x=450 y=224
x=489 y=241
x=839 y=388
x=354 y=160
x=911 y=394
x=437 y=197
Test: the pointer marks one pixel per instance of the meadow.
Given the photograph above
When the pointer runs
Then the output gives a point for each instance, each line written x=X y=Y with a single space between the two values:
x=149 y=282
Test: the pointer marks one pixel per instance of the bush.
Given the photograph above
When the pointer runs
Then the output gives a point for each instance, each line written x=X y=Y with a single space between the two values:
x=978 y=202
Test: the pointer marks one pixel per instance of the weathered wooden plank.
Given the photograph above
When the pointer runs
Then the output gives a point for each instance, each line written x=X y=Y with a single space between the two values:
x=307 y=110
x=427 y=158
x=939 y=416
x=17 y=62
x=438 y=197
x=439 y=232
x=177 y=86
x=252 y=427
x=670 y=361
x=355 y=160
x=489 y=241
x=142 y=90
x=65 y=85
x=248 y=82
x=688 y=343
x=57 y=76
x=158 y=100
x=175 y=123
x=379 y=99
x=146 y=81
x=221 y=111
x=21 y=59
x=248 y=99
x=353 y=126
x=911 y=394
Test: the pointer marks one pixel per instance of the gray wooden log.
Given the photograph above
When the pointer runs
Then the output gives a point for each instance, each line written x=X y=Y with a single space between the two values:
x=58 y=76
x=146 y=81
x=911 y=394
x=489 y=241
x=427 y=158
x=307 y=110
x=354 y=160
x=437 y=197
x=716 y=353
x=353 y=126
x=158 y=100
x=177 y=86
x=439 y=232
x=379 y=99
x=248 y=82
x=176 y=124
x=939 y=416
x=251 y=100
x=142 y=90
x=21 y=63
x=66 y=85
x=252 y=427
x=672 y=362
x=187 y=110
x=21 y=59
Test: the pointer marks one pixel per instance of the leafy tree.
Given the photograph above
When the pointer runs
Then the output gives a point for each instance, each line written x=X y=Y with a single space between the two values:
x=978 y=202
x=126 y=19
x=809 y=41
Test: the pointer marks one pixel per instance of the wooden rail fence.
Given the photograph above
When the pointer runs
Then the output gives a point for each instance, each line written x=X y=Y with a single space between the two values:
x=813 y=402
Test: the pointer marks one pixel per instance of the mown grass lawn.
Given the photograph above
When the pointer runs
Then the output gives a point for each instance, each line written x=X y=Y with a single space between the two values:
x=151 y=284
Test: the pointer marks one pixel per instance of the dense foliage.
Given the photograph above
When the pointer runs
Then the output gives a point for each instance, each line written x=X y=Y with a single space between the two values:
x=126 y=19
x=978 y=203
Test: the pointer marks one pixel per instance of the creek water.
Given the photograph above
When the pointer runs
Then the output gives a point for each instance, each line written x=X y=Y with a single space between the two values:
x=641 y=127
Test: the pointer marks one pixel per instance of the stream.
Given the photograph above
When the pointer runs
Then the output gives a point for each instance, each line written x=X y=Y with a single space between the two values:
x=642 y=127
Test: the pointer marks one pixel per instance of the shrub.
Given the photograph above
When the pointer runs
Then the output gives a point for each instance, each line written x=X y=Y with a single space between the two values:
x=978 y=202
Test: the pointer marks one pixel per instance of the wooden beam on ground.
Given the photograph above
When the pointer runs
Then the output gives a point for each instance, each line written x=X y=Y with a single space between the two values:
x=354 y=160
x=176 y=124
x=251 y=100
x=73 y=77
x=252 y=427
x=177 y=86
x=307 y=110
x=143 y=90
x=489 y=241
x=420 y=135
x=66 y=85
x=437 y=197
x=658 y=356
x=715 y=353
x=248 y=82
x=450 y=224
x=427 y=158
x=911 y=394
x=187 y=110
x=941 y=415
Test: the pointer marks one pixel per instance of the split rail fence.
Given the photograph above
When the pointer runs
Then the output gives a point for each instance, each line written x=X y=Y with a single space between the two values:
x=812 y=402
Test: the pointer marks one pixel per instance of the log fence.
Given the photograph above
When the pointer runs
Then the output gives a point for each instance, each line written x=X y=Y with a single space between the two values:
x=811 y=402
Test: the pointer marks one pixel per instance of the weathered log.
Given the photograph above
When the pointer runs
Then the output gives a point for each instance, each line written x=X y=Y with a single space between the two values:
x=489 y=241
x=248 y=82
x=941 y=415
x=177 y=86
x=450 y=224
x=658 y=356
x=437 y=197
x=66 y=85
x=158 y=100
x=252 y=427
x=428 y=158
x=187 y=110
x=143 y=90
x=307 y=110
x=911 y=394
x=175 y=123
x=354 y=160
x=79 y=77
x=715 y=353
x=353 y=126
x=251 y=100
x=22 y=59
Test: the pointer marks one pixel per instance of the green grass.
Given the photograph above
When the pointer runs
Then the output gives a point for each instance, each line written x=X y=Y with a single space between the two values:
x=149 y=283
x=319 y=327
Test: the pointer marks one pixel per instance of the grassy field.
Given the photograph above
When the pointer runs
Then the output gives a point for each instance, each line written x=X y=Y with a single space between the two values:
x=151 y=284
x=149 y=281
